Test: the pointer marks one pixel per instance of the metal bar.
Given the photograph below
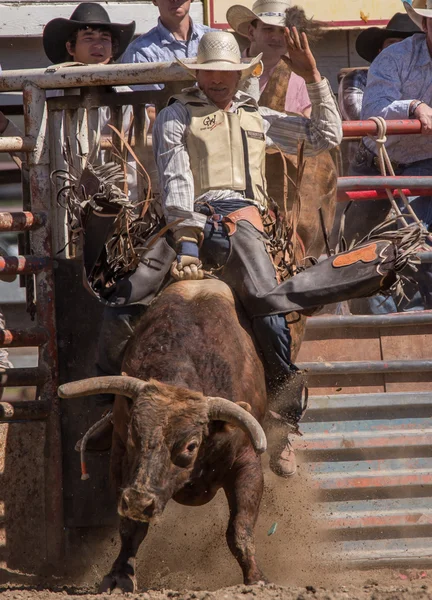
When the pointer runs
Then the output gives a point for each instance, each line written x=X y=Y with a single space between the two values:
x=140 y=147
x=22 y=338
x=368 y=182
x=16 y=144
x=23 y=264
x=390 y=320
x=30 y=410
x=123 y=74
x=346 y=196
x=57 y=162
x=396 y=127
x=319 y=442
x=106 y=142
x=360 y=367
x=370 y=401
x=111 y=99
x=36 y=126
x=21 y=221
x=24 y=377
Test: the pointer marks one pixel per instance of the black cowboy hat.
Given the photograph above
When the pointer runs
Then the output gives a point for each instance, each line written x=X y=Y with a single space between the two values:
x=370 y=41
x=58 y=31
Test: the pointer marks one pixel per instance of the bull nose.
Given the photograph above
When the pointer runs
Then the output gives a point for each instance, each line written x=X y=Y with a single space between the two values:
x=135 y=504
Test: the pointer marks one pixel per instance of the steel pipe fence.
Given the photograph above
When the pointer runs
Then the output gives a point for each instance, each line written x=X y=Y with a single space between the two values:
x=46 y=121
x=394 y=127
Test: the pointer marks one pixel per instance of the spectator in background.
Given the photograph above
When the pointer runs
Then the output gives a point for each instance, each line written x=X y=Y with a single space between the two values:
x=175 y=36
x=369 y=44
x=399 y=86
x=264 y=27
x=87 y=37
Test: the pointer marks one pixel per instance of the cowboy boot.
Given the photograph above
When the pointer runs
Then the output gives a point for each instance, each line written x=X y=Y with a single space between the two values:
x=287 y=408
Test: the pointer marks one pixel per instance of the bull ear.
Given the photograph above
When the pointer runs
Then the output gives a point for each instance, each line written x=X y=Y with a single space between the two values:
x=245 y=405
x=125 y=386
x=221 y=409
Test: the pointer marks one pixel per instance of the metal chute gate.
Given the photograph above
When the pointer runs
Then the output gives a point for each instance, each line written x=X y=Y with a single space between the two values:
x=340 y=429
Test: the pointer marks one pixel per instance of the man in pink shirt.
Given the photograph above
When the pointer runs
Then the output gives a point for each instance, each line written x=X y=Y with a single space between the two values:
x=264 y=27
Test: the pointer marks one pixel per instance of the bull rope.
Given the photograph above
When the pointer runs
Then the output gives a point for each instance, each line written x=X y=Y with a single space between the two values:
x=385 y=165
x=83 y=445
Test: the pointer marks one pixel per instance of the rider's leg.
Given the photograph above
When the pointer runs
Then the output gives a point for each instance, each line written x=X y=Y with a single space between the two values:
x=250 y=272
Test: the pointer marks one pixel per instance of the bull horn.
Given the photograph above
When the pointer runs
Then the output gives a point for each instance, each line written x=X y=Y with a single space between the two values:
x=125 y=386
x=221 y=409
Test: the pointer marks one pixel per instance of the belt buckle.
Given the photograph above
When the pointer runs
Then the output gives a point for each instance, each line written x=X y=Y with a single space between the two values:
x=214 y=220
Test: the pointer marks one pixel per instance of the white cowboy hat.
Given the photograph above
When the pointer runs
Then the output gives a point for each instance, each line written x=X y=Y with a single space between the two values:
x=219 y=51
x=419 y=9
x=271 y=12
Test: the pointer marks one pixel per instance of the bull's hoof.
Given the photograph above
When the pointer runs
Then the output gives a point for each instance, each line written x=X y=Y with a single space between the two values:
x=118 y=583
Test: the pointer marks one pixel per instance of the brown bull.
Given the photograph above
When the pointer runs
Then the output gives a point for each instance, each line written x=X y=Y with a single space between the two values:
x=175 y=434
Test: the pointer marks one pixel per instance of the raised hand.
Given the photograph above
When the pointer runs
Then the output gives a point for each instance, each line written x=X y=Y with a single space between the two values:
x=301 y=60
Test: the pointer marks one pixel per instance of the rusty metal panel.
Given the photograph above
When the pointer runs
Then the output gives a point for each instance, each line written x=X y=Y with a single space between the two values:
x=23 y=544
x=369 y=458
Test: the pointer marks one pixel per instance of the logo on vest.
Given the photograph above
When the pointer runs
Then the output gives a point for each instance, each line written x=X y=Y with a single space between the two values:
x=256 y=135
x=210 y=123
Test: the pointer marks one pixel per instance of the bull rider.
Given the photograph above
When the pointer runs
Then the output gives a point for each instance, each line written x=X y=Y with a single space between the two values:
x=210 y=144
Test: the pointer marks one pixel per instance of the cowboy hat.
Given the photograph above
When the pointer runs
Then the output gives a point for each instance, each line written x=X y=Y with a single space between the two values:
x=370 y=41
x=419 y=9
x=270 y=12
x=219 y=51
x=58 y=31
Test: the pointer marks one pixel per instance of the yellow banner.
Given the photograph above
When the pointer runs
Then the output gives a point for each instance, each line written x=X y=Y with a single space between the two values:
x=354 y=13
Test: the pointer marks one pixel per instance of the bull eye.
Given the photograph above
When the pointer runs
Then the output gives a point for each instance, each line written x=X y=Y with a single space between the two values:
x=192 y=446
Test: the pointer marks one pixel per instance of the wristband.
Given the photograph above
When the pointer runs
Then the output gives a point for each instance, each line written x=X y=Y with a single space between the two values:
x=414 y=107
x=188 y=249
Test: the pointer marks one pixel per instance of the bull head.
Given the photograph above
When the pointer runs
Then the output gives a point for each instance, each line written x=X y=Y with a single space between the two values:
x=165 y=429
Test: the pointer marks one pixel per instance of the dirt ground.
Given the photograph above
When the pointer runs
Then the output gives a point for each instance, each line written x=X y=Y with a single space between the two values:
x=185 y=557
x=370 y=589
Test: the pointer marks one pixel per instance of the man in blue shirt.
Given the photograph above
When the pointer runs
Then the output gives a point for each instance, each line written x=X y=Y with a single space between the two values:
x=175 y=36
x=399 y=86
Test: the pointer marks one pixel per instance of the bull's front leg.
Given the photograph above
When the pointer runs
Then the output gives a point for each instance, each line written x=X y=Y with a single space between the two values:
x=122 y=575
x=244 y=491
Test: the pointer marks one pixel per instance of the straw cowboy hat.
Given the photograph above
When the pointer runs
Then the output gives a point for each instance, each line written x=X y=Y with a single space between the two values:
x=271 y=12
x=58 y=31
x=370 y=41
x=219 y=51
x=419 y=9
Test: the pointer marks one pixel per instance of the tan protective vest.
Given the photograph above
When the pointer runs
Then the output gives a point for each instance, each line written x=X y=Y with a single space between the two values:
x=226 y=150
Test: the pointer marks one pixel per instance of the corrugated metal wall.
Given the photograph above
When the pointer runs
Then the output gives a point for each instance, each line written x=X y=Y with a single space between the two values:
x=369 y=455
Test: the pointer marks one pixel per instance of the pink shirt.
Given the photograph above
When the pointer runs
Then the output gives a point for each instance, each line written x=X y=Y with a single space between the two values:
x=297 y=99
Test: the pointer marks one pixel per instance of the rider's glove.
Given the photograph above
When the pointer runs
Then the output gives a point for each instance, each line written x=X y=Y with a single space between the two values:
x=187 y=266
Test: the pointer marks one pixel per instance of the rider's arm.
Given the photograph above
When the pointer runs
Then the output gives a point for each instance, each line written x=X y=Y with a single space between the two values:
x=172 y=160
x=321 y=132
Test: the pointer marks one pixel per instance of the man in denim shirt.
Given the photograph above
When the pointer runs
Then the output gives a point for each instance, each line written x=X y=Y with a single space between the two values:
x=400 y=87
x=175 y=36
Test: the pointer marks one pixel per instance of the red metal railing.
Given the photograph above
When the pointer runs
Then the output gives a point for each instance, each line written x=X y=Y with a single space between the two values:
x=373 y=188
x=394 y=127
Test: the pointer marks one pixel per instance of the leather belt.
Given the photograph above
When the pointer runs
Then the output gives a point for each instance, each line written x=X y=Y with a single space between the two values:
x=248 y=213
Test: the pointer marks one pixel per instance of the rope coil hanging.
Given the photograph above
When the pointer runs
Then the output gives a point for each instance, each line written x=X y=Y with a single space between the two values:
x=386 y=167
